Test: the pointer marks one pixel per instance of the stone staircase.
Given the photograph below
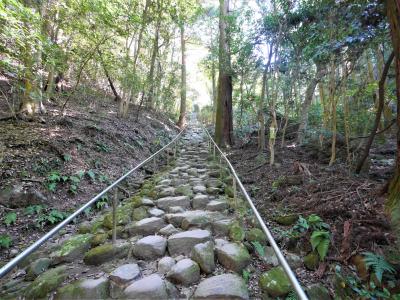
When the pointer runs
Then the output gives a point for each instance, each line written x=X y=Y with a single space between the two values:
x=180 y=236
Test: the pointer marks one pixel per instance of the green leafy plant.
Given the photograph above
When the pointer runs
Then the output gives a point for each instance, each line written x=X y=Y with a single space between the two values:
x=103 y=202
x=10 y=218
x=52 y=180
x=301 y=225
x=316 y=223
x=259 y=248
x=291 y=296
x=378 y=264
x=34 y=209
x=91 y=175
x=101 y=147
x=246 y=275
x=103 y=178
x=5 y=241
x=67 y=157
x=320 y=241
x=53 y=217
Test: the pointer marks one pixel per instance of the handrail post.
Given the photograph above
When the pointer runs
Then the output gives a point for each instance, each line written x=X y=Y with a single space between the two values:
x=114 y=216
x=234 y=192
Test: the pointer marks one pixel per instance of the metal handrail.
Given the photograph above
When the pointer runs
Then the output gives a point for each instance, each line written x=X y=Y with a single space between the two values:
x=295 y=283
x=11 y=264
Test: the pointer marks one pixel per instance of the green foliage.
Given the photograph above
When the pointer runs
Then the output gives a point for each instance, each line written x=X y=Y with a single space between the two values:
x=378 y=264
x=34 y=209
x=91 y=175
x=102 y=147
x=103 y=202
x=10 y=218
x=320 y=240
x=5 y=241
x=67 y=157
x=246 y=275
x=52 y=217
x=259 y=248
x=291 y=296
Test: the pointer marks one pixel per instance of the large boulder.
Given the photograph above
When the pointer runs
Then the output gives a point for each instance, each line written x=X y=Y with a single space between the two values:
x=37 y=267
x=20 y=196
x=150 y=287
x=182 y=201
x=72 y=249
x=105 y=253
x=150 y=247
x=225 y=286
x=183 y=242
x=85 y=289
x=203 y=254
x=46 y=282
x=275 y=282
x=185 y=272
x=233 y=256
x=146 y=226
x=121 y=277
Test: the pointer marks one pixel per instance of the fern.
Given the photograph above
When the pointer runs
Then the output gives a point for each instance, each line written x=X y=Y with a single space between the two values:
x=320 y=241
x=246 y=275
x=259 y=249
x=5 y=241
x=10 y=218
x=378 y=264
x=291 y=296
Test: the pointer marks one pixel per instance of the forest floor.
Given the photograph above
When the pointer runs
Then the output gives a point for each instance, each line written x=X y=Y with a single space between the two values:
x=51 y=165
x=301 y=183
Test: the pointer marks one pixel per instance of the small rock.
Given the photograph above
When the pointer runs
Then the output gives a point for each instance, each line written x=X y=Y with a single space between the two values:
x=155 y=212
x=183 y=242
x=185 y=272
x=233 y=256
x=287 y=219
x=125 y=273
x=311 y=261
x=317 y=292
x=13 y=253
x=150 y=247
x=168 y=230
x=294 y=260
x=139 y=213
x=199 y=189
x=151 y=287
x=270 y=257
x=225 y=286
x=203 y=254
x=167 y=192
x=221 y=227
x=37 y=267
x=275 y=282
x=176 y=209
x=165 y=264
x=98 y=239
x=200 y=201
x=147 y=202
x=256 y=235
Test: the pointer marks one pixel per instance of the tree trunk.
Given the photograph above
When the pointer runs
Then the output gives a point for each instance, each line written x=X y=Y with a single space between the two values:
x=224 y=120
x=307 y=102
x=381 y=100
x=261 y=118
x=214 y=90
x=150 y=80
x=333 y=103
x=182 y=116
x=393 y=201
x=113 y=89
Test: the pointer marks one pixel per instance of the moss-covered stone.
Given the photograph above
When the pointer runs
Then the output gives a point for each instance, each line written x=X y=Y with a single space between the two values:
x=148 y=190
x=72 y=248
x=229 y=191
x=98 y=239
x=287 y=219
x=236 y=232
x=85 y=227
x=121 y=233
x=184 y=190
x=37 y=267
x=85 y=289
x=311 y=261
x=256 y=235
x=46 y=282
x=318 y=292
x=123 y=217
x=275 y=282
x=106 y=252
x=139 y=213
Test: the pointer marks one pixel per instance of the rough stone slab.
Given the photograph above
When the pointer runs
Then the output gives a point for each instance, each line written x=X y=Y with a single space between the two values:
x=225 y=286
x=125 y=273
x=183 y=242
x=85 y=289
x=150 y=287
x=146 y=226
x=221 y=227
x=200 y=201
x=150 y=247
x=216 y=205
x=199 y=189
x=233 y=256
x=155 y=212
x=165 y=264
x=166 y=202
x=168 y=230
x=167 y=192
x=203 y=254
x=185 y=272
